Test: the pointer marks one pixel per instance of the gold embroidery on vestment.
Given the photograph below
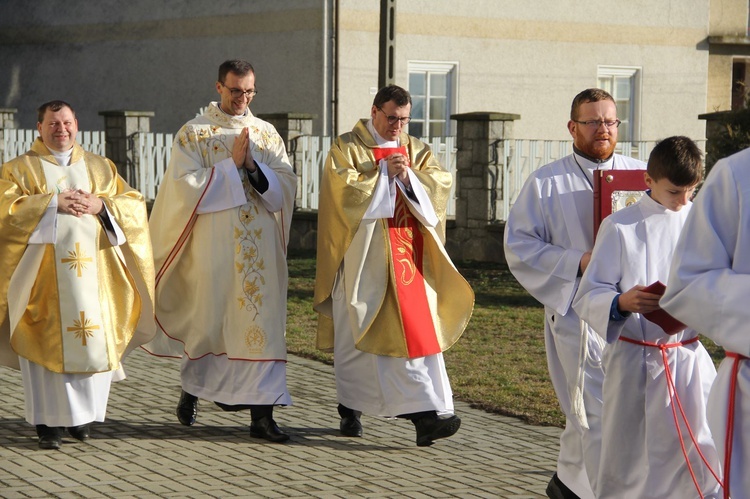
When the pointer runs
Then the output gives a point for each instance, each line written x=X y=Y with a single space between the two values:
x=77 y=259
x=83 y=328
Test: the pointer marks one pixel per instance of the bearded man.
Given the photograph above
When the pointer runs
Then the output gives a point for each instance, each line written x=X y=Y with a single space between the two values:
x=548 y=242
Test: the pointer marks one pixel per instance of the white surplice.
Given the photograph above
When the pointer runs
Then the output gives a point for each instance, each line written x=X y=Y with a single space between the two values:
x=641 y=453
x=548 y=230
x=378 y=384
x=708 y=289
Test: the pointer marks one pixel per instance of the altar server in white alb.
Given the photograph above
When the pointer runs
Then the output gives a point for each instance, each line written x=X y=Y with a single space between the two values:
x=76 y=278
x=708 y=289
x=655 y=435
x=220 y=226
x=548 y=242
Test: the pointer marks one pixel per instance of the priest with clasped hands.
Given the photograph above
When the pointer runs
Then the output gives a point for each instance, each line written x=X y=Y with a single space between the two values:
x=77 y=278
x=389 y=299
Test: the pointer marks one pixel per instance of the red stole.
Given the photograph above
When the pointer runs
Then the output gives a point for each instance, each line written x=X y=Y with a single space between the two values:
x=407 y=245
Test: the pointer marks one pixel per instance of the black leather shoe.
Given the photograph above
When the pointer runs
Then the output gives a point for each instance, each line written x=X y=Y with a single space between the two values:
x=558 y=490
x=187 y=409
x=49 y=437
x=79 y=432
x=266 y=428
x=432 y=428
x=350 y=426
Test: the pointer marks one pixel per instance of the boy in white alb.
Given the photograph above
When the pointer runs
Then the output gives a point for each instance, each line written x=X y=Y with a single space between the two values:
x=655 y=384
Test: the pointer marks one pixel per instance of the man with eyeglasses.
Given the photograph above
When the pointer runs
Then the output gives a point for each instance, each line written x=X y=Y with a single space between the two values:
x=548 y=242
x=77 y=277
x=220 y=226
x=389 y=299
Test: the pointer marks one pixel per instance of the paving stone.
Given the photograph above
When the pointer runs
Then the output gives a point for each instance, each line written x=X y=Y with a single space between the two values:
x=142 y=451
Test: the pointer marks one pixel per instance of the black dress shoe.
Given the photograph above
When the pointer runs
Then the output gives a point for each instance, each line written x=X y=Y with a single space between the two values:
x=187 y=409
x=79 y=432
x=430 y=428
x=49 y=437
x=350 y=426
x=266 y=428
x=558 y=490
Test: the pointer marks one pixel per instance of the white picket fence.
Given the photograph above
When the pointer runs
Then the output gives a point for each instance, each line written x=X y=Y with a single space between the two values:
x=17 y=142
x=513 y=161
x=312 y=151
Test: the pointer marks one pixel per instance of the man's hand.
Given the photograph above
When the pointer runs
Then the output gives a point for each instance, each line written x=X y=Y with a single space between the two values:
x=585 y=259
x=239 y=149
x=637 y=301
x=79 y=203
x=70 y=203
x=398 y=165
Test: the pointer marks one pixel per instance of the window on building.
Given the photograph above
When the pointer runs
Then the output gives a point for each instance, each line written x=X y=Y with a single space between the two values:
x=432 y=86
x=624 y=85
x=740 y=82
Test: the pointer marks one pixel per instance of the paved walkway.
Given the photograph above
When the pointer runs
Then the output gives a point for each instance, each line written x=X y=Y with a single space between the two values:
x=143 y=451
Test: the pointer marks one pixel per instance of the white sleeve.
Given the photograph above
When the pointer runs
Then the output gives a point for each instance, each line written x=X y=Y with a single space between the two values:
x=46 y=230
x=225 y=190
x=601 y=283
x=422 y=209
x=709 y=280
x=115 y=235
x=383 y=201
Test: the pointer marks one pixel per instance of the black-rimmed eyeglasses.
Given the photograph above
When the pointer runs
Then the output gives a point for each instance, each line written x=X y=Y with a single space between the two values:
x=595 y=124
x=393 y=119
x=237 y=93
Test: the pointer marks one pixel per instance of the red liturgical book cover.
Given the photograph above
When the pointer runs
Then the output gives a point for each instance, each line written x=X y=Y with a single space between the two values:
x=614 y=190
x=660 y=317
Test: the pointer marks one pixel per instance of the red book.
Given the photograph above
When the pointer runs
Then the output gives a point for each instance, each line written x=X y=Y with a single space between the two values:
x=660 y=317
x=614 y=190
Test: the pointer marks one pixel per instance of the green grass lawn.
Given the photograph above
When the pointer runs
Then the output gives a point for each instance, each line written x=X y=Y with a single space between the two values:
x=499 y=363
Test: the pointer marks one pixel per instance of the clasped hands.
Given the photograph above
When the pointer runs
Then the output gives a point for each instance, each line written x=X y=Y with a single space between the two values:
x=398 y=166
x=241 y=154
x=78 y=202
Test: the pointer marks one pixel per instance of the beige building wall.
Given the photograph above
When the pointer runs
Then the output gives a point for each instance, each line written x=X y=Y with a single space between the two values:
x=532 y=58
x=527 y=58
x=728 y=23
x=159 y=56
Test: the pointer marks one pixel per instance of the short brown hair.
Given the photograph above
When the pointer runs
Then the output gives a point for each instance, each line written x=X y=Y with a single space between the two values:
x=678 y=159
x=589 y=95
x=54 y=106
x=394 y=93
x=236 y=66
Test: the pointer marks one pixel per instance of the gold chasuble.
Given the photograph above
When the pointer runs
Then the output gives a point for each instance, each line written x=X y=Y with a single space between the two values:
x=221 y=278
x=80 y=304
x=417 y=303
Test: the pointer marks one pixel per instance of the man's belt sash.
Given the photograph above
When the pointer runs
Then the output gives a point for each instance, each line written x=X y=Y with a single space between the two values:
x=675 y=400
x=729 y=437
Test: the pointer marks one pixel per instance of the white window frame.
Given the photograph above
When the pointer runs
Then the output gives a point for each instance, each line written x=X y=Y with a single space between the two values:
x=635 y=74
x=449 y=68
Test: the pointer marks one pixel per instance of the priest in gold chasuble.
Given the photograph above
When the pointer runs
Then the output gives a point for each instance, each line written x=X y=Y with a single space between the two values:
x=220 y=226
x=389 y=299
x=77 y=276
